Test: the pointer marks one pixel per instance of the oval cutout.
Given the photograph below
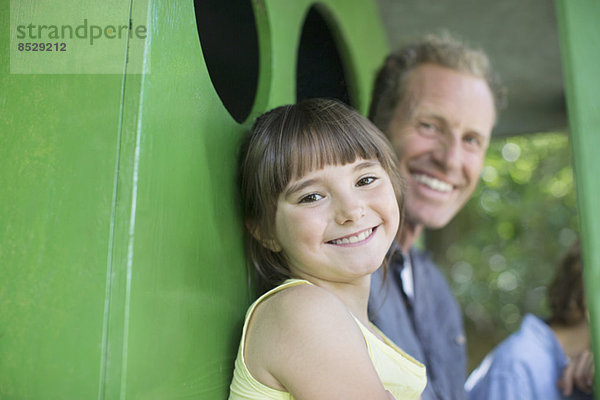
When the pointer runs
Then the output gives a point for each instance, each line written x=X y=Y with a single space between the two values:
x=320 y=71
x=229 y=40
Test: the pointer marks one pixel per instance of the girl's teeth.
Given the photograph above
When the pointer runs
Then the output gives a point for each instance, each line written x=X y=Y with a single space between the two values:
x=353 y=239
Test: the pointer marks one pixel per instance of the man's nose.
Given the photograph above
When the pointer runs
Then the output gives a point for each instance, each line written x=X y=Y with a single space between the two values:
x=449 y=152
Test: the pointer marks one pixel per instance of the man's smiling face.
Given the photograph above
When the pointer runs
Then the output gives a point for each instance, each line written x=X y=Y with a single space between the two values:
x=441 y=131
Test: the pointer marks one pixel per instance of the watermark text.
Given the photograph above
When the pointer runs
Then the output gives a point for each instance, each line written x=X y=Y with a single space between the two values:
x=82 y=31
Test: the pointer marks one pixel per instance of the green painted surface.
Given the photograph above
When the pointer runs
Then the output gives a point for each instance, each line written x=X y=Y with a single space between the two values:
x=355 y=26
x=121 y=258
x=580 y=45
x=59 y=136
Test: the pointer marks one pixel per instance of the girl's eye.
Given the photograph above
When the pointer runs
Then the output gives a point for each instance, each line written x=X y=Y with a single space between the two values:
x=310 y=198
x=367 y=180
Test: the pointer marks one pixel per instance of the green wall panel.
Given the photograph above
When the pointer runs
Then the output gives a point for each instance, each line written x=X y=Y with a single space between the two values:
x=580 y=47
x=121 y=256
x=58 y=151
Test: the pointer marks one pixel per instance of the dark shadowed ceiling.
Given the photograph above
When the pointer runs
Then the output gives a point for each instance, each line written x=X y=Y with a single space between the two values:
x=521 y=39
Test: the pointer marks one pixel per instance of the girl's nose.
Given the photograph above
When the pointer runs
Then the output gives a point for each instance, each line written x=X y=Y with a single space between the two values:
x=349 y=209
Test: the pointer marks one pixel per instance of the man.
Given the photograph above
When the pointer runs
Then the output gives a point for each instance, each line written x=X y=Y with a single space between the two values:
x=437 y=101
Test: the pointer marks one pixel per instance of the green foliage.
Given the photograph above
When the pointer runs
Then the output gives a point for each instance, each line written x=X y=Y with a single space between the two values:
x=501 y=250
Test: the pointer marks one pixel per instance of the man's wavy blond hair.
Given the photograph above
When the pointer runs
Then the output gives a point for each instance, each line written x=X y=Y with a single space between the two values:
x=444 y=50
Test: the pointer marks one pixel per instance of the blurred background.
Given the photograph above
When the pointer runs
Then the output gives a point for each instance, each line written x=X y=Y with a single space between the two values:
x=500 y=252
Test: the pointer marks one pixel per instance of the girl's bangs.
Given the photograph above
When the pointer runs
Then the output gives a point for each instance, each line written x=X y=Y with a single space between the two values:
x=312 y=150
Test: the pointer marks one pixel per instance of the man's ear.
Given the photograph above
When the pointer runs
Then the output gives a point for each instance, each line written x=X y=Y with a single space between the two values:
x=269 y=243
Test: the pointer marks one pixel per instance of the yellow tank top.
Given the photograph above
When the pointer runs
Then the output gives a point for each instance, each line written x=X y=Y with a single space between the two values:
x=401 y=374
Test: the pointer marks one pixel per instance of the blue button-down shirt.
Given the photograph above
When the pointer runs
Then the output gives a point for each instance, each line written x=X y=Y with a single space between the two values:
x=527 y=365
x=428 y=327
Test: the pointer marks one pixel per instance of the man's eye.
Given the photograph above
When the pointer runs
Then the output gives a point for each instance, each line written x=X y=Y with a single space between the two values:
x=311 y=198
x=367 y=180
x=426 y=127
x=473 y=141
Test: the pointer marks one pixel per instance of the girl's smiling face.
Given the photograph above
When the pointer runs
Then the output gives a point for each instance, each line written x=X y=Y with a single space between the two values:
x=336 y=224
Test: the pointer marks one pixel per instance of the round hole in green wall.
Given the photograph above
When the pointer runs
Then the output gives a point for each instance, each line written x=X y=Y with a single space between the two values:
x=320 y=70
x=229 y=40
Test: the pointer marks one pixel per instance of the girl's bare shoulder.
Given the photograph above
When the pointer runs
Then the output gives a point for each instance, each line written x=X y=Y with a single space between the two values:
x=300 y=322
x=305 y=341
x=301 y=305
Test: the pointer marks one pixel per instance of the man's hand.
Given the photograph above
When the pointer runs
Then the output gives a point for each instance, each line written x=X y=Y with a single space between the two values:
x=579 y=373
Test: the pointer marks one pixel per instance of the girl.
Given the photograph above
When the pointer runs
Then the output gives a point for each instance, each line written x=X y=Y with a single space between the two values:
x=321 y=206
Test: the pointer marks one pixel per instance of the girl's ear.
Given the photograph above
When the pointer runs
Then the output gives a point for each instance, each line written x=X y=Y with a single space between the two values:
x=269 y=243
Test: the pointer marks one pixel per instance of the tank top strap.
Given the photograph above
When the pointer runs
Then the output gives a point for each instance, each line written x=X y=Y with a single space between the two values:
x=285 y=285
